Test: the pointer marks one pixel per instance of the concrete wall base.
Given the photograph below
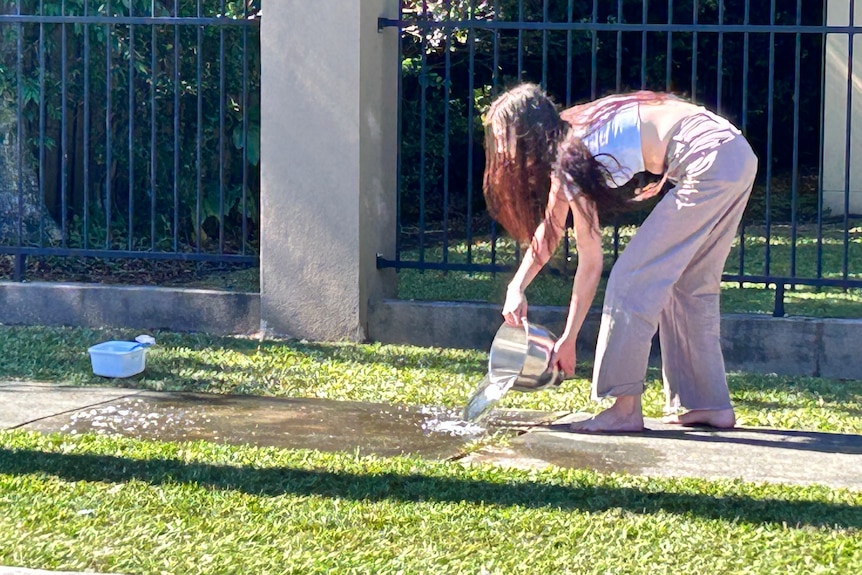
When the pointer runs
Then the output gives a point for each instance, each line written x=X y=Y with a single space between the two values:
x=753 y=343
x=138 y=307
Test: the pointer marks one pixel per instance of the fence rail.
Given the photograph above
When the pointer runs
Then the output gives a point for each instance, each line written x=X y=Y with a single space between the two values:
x=746 y=60
x=130 y=130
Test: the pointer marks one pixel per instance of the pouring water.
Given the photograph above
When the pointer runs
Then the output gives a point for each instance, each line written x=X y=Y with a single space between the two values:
x=486 y=396
x=520 y=359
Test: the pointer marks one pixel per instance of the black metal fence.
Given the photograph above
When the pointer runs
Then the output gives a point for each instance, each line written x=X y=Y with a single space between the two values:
x=762 y=64
x=130 y=129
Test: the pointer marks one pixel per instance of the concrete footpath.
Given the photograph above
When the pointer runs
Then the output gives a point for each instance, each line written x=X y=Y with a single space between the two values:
x=538 y=439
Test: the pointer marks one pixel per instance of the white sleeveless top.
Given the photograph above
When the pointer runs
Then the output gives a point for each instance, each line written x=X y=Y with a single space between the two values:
x=616 y=144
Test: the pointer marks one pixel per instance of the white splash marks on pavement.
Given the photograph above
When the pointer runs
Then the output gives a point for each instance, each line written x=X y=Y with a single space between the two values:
x=449 y=422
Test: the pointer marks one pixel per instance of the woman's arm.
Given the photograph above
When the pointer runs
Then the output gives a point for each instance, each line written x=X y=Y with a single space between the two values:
x=588 y=239
x=545 y=241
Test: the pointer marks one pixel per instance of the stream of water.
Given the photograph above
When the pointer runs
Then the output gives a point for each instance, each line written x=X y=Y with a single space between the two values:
x=487 y=395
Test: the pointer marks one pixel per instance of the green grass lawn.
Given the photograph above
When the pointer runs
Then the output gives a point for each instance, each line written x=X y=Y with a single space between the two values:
x=124 y=505
x=135 y=507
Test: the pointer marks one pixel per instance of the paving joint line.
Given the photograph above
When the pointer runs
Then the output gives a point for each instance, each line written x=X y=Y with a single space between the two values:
x=73 y=410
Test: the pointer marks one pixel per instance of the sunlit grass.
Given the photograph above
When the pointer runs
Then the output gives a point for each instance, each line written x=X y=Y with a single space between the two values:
x=143 y=507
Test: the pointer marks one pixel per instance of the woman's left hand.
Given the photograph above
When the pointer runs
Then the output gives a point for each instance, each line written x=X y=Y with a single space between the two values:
x=565 y=355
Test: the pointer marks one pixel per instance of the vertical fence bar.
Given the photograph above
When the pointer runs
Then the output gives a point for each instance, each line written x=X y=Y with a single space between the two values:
x=471 y=40
x=845 y=259
x=619 y=64
x=19 y=276
x=520 y=40
x=644 y=46
x=569 y=16
x=131 y=170
x=795 y=162
x=495 y=88
x=719 y=73
x=109 y=158
x=154 y=185
x=19 y=265
x=175 y=232
x=64 y=126
x=770 y=114
x=400 y=131
x=42 y=107
x=495 y=73
x=423 y=111
x=746 y=21
x=669 y=56
x=778 y=309
x=221 y=138
x=744 y=123
x=447 y=6
x=198 y=224
x=86 y=129
x=19 y=269
x=695 y=11
x=545 y=20
x=245 y=126
x=594 y=49
x=823 y=64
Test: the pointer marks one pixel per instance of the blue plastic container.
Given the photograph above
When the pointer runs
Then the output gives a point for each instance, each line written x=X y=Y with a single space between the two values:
x=118 y=358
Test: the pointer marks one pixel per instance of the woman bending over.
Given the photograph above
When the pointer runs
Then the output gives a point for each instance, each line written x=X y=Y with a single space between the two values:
x=589 y=160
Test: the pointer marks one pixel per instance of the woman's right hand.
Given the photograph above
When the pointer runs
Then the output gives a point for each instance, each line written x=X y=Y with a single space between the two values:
x=515 y=307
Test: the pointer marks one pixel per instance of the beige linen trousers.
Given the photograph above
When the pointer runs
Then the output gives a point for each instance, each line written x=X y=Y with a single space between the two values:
x=668 y=277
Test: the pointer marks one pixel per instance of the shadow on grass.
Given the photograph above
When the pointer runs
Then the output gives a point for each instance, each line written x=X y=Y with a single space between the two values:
x=423 y=488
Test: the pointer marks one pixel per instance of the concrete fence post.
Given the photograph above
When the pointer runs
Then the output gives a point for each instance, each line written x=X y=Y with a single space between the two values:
x=836 y=108
x=328 y=165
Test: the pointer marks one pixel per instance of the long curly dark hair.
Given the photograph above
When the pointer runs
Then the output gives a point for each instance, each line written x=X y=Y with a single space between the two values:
x=523 y=129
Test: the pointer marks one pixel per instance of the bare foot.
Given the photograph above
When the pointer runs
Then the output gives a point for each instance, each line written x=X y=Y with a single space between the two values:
x=624 y=415
x=723 y=418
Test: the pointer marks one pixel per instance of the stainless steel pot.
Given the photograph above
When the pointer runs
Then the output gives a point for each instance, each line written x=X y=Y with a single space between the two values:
x=523 y=354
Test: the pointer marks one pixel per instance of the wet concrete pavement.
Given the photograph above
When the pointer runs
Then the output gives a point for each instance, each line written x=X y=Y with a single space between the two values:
x=662 y=450
x=537 y=439
x=291 y=423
